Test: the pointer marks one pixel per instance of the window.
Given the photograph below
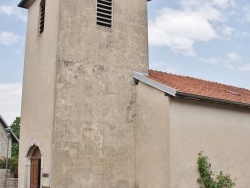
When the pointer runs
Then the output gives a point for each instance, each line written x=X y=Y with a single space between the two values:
x=104 y=13
x=42 y=16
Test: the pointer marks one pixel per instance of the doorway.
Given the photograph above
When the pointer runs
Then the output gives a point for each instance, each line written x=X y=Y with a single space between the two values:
x=35 y=168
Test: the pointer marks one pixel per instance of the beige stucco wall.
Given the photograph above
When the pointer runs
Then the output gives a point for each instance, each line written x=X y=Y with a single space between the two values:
x=95 y=95
x=170 y=132
x=79 y=95
x=222 y=132
x=38 y=88
x=152 y=138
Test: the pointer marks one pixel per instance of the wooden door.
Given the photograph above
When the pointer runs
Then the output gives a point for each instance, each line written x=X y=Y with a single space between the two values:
x=35 y=169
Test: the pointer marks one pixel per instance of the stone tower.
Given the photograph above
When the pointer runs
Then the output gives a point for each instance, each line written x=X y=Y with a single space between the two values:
x=78 y=105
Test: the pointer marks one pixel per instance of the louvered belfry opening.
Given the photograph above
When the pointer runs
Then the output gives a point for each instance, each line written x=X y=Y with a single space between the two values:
x=104 y=13
x=42 y=16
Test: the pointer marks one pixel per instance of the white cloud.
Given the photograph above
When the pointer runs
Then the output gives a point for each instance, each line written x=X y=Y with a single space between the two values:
x=179 y=30
x=244 y=34
x=224 y=3
x=230 y=61
x=163 y=66
x=6 y=9
x=18 y=51
x=226 y=31
x=10 y=101
x=8 y=38
x=195 y=21
x=212 y=60
x=233 y=56
x=245 y=68
x=247 y=12
x=13 y=10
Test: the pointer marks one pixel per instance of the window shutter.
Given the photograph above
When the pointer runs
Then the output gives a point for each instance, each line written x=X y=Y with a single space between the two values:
x=104 y=13
x=42 y=16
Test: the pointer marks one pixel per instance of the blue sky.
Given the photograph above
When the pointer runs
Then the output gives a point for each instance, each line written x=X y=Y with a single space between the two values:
x=198 y=38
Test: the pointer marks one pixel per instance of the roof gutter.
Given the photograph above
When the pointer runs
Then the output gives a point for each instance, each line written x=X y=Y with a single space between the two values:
x=211 y=100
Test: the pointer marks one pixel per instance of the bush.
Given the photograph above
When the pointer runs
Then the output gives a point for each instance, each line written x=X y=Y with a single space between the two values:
x=2 y=163
x=12 y=165
x=207 y=179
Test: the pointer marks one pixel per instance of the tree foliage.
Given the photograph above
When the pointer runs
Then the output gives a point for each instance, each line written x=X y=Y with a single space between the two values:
x=16 y=129
x=12 y=165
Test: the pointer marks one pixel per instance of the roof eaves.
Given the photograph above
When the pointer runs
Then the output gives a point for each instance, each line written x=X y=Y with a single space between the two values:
x=13 y=136
x=26 y=3
x=212 y=100
x=143 y=78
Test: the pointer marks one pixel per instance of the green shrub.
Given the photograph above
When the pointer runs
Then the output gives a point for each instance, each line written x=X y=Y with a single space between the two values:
x=207 y=179
x=12 y=165
x=2 y=163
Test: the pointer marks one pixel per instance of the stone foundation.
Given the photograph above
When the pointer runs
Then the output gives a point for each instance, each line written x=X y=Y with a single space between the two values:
x=11 y=182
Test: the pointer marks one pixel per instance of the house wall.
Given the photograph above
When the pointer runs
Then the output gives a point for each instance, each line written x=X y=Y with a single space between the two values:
x=93 y=137
x=170 y=132
x=38 y=88
x=152 y=138
x=4 y=143
x=221 y=132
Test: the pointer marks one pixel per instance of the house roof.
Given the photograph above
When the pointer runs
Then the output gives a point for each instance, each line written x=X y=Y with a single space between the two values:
x=26 y=3
x=197 y=89
x=5 y=125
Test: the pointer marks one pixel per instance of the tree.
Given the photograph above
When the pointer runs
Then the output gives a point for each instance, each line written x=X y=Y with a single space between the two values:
x=16 y=129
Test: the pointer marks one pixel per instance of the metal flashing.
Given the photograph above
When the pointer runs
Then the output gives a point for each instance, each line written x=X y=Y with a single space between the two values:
x=143 y=78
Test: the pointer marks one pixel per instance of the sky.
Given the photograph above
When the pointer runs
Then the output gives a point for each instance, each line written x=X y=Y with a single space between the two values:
x=207 y=39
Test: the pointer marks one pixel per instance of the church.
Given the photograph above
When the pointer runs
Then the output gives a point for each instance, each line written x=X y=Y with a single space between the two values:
x=95 y=116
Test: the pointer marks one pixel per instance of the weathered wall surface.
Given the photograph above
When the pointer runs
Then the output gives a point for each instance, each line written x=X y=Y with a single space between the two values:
x=222 y=132
x=4 y=142
x=11 y=182
x=38 y=87
x=152 y=138
x=95 y=95
x=2 y=177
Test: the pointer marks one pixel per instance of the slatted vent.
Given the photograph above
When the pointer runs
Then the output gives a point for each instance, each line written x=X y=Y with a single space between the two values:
x=104 y=13
x=42 y=16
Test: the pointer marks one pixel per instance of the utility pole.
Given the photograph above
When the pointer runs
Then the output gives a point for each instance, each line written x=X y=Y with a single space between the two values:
x=8 y=131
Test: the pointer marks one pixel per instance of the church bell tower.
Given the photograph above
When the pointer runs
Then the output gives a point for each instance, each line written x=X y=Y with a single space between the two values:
x=78 y=105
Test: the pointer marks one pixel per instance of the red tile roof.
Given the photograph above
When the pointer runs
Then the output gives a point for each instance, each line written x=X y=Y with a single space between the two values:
x=202 y=88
